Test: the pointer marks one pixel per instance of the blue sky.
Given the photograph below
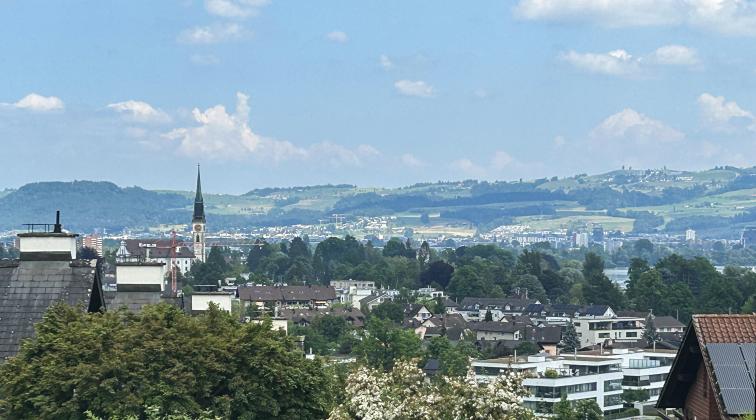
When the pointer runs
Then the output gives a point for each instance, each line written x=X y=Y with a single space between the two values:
x=376 y=93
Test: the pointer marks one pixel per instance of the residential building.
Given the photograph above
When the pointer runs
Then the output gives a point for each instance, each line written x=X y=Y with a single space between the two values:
x=690 y=235
x=551 y=377
x=430 y=292
x=417 y=311
x=351 y=292
x=159 y=251
x=205 y=295
x=369 y=303
x=597 y=324
x=304 y=317
x=494 y=331
x=475 y=308
x=712 y=376
x=668 y=324
x=47 y=272
x=93 y=241
x=310 y=296
x=641 y=368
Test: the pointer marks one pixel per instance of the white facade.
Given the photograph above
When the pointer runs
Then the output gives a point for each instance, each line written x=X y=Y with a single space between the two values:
x=595 y=331
x=140 y=274
x=690 y=235
x=201 y=301
x=576 y=378
x=48 y=242
x=644 y=369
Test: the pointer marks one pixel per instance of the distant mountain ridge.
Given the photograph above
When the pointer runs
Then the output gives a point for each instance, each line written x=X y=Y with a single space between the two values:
x=720 y=199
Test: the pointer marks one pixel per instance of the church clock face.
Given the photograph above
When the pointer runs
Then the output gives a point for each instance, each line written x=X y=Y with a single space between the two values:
x=198 y=228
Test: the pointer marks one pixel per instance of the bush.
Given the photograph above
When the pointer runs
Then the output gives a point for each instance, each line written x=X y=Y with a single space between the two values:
x=551 y=373
x=628 y=412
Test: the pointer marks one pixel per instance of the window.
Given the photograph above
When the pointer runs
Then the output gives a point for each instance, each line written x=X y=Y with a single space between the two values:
x=612 y=400
x=631 y=334
x=603 y=335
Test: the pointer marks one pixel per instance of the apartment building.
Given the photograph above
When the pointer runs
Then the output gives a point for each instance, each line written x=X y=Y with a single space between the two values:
x=550 y=377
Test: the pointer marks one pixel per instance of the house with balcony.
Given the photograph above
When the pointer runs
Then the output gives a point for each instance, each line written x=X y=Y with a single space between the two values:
x=552 y=377
x=596 y=330
x=641 y=368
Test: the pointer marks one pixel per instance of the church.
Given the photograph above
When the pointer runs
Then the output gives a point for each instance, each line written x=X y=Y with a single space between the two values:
x=198 y=222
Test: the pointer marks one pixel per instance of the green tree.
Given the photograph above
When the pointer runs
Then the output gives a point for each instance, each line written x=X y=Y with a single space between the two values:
x=563 y=410
x=299 y=249
x=649 y=332
x=389 y=310
x=630 y=396
x=599 y=290
x=118 y=364
x=588 y=410
x=570 y=340
x=383 y=343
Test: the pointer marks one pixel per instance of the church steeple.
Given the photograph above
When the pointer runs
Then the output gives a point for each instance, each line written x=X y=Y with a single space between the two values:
x=199 y=204
x=198 y=222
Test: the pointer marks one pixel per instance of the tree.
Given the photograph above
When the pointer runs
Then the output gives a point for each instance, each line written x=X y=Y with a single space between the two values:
x=599 y=290
x=118 y=364
x=403 y=393
x=85 y=253
x=438 y=272
x=563 y=410
x=383 y=343
x=259 y=250
x=489 y=316
x=570 y=340
x=389 y=310
x=588 y=410
x=649 y=332
x=299 y=249
x=630 y=396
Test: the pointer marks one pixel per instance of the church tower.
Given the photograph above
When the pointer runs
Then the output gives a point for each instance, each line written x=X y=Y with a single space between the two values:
x=198 y=222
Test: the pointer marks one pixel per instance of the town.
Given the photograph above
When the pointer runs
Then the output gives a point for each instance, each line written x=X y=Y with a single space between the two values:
x=584 y=339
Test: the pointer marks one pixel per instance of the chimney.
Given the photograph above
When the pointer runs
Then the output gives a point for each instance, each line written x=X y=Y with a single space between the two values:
x=40 y=243
x=139 y=276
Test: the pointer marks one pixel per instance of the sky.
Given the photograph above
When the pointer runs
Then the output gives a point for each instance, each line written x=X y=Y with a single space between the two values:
x=374 y=92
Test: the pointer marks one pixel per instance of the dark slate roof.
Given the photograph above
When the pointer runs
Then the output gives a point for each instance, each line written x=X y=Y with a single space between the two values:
x=162 y=249
x=667 y=322
x=28 y=288
x=547 y=335
x=564 y=308
x=300 y=293
x=632 y=314
x=595 y=310
x=286 y=293
x=352 y=315
x=411 y=309
x=492 y=326
x=482 y=302
x=448 y=303
x=534 y=308
x=455 y=333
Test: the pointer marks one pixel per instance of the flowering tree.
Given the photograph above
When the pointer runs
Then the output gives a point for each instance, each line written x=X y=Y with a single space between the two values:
x=403 y=393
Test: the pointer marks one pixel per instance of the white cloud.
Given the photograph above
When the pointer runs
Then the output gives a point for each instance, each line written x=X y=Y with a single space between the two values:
x=630 y=125
x=386 y=62
x=501 y=160
x=204 y=59
x=139 y=111
x=719 y=113
x=414 y=88
x=621 y=63
x=730 y=17
x=222 y=135
x=337 y=37
x=39 y=103
x=410 y=160
x=234 y=8
x=675 y=55
x=212 y=34
x=615 y=63
x=468 y=168
x=559 y=141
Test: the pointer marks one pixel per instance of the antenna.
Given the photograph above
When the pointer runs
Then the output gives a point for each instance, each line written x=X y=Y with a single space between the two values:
x=57 y=228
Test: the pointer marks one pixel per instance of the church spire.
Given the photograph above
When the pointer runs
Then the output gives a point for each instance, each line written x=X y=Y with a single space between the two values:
x=199 y=204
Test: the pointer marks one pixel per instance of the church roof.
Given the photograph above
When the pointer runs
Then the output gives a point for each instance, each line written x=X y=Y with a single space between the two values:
x=199 y=204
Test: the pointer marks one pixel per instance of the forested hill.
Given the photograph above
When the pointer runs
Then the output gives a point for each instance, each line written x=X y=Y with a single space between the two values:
x=86 y=205
x=718 y=202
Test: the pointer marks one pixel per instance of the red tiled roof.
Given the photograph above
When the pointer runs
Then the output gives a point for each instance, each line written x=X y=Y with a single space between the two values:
x=725 y=328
